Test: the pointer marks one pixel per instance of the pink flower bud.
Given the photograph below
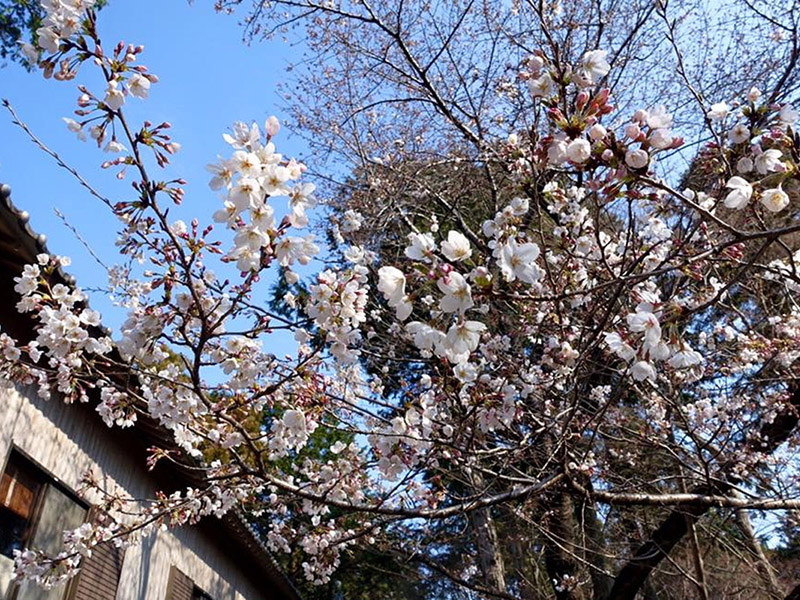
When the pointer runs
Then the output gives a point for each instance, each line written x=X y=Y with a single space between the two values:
x=582 y=99
x=677 y=142
x=273 y=126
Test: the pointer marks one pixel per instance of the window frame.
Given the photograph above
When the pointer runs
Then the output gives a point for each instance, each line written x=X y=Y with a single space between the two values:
x=45 y=478
x=182 y=587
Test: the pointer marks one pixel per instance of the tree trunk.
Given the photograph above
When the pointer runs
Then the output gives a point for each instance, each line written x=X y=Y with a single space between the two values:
x=521 y=562
x=697 y=559
x=559 y=532
x=633 y=575
x=490 y=557
x=595 y=552
x=649 y=591
x=763 y=567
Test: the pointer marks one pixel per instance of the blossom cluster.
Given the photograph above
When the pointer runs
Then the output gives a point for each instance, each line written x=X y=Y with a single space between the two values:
x=253 y=175
x=65 y=324
x=759 y=150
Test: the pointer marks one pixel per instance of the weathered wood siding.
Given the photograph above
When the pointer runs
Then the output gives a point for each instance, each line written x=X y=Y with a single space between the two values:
x=67 y=441
x=180 y=586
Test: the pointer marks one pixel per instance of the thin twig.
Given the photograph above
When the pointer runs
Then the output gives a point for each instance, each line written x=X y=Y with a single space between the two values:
x=61 y=163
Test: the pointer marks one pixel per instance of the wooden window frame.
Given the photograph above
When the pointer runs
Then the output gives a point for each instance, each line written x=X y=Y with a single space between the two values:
x=45 y=478
x=180 y=583
x=75 y=583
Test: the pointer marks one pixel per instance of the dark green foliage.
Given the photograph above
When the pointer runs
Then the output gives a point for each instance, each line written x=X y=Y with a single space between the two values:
x=366 y=574
x=19 y=20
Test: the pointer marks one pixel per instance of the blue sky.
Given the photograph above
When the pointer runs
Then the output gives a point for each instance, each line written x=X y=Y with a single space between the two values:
x=208 y=79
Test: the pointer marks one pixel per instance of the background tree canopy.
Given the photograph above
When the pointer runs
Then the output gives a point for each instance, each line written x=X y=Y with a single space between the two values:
x=19 y=20
x=402 y=100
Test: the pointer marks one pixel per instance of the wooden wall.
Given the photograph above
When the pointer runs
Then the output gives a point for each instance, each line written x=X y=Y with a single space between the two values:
x=67 y=440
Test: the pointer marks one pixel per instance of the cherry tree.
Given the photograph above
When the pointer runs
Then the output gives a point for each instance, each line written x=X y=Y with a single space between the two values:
x=588 y=318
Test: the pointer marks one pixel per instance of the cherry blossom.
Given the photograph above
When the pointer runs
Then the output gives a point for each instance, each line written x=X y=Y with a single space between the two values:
x=581 y=320
x=518 y=261
x=456 y=247
x=718 y=111
x=740 y=194
x=636 y=158
x=775 y=199
x=594 y=65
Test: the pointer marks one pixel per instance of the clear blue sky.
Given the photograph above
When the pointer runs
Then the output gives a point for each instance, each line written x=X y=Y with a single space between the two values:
x=208 y=79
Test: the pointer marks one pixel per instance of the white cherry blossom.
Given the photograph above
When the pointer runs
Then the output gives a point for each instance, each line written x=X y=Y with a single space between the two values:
x=768 y=161
x=740 y=194
x=718 y=111
x=422 y=246
x=774 y=200
x=456 y=248
x=637 y=159
x=457 y=293
x=594 y=65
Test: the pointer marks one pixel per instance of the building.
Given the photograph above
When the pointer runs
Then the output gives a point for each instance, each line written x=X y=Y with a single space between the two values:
x=46 y=446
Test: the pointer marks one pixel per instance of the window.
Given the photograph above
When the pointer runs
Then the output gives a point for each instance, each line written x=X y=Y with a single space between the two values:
x=181 y=587
x=198 y=594
x=19 y=491
x=34 y=511
x=99 y=576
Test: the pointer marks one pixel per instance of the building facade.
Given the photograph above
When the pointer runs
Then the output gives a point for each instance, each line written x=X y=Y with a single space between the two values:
x=45 y=449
